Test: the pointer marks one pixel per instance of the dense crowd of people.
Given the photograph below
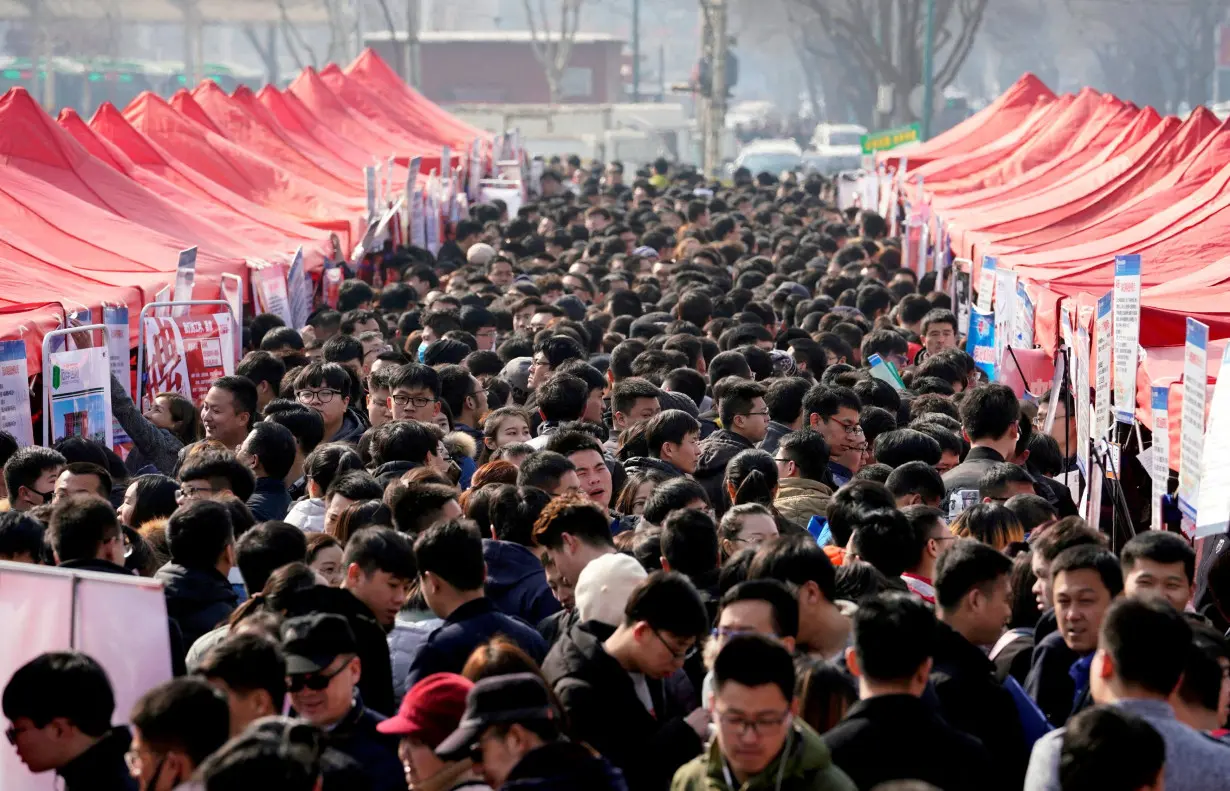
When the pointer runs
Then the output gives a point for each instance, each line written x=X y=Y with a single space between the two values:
x=606 y=496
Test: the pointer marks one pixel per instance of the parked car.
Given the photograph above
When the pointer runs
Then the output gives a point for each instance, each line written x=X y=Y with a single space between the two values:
x=770 y=156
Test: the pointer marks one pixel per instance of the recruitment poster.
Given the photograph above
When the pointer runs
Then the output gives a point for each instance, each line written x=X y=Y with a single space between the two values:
x=299 y=292
x=186 y=355
x=15 y=415
x=185 y=278
x=1191 y=435
x=1159 y=468
x=115 y=317
x=1213 y=496
x=269 y=291
x=80 y=395
x=1127 y=334
x=981 y=341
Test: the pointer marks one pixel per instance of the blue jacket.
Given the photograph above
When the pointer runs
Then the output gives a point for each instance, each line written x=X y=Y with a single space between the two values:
x=356 y=736
x=468 y=627
x=516 y=582
x=270 y=501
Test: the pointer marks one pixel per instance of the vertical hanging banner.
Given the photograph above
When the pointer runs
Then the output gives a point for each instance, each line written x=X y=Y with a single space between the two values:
x=369 y=179
x=1023 y=319
x=269 y=291
x=1213 y=494
x=986 y=285
x=299 y=292
x=980 y=341
x=332 y=285
x=1160 y=459
x=1127 y=334
x=80 y=395
x=432 y=217
x=116 y=319
x=232 y=292
x=1191 y=435
x=163 y=295
x=412 y=186
x=1101 y=384
x=389 y=195
x=1081 y=397
x=185 y=278
x=962 y=292
x=1005 y=311
x=186 y=355
x=475 y=168
x=15 y=415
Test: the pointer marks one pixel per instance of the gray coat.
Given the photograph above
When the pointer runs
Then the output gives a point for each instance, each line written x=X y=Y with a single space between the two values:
x=151 y=444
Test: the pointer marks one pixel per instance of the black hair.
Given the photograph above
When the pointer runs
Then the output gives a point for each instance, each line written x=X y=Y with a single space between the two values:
x=994 y=482
x=306 y=426
x=557 y=349
x=415 y=376
x=342 y=349
x=446 y=351
x=894 y=634
x=453 y=552
x=905 y=445
x=736 y=399
x=27 y=465
x=809 y=452
x=938 y=316
x=627 y=392
x=672 y=425
x=353 y=293
x=1032 y=510
x=753 y=475
x=21 y=534
x=988 y=411
x=689 y=542
x=1148 y=642
x=404 y=440
x=198 y=533
x=1092 y=558
x=569 y=440
x=688 y=382
x=262 y=366
x=1159 y=547
x=544 y=470
x=884 y=539
x=728 y=364
x=850 y=502
x=328 y=374
x=89 y=468
x=246 y=662
x=781 y=601
x=576 y=515
x=222 y=470
x=64 y=684
x=1202 y=674
x=674 y=494
x=622 y=356
x=784 y=398
x=384 y=549
x=356 y=485
x=795 y=560
x=1108 y=748
x=883 y=343
x=416 y=504
x=916 y=477
x=512 y=512
x=668 y=602
x=183 y=714
x=1068 y=532
x=328 y=461
x=265 y=548
x=563 y=397
x=965 y=565
x=80 y=525
x=243 y=392
x=825 y=401
x=274 y=447
x=754 y=660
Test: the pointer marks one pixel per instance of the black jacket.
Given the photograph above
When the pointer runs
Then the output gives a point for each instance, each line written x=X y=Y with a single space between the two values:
x=964 y=477
x=376 y=681
x=469 y=626
x=647 y=463
x=899 y=737
x=972 y=700
x=555 y=626
x=102 y=767
x=774 y=436
x=95 y=564
x=270 y=501
x=1049 y=682
x=716 y=451
x=357 y=737
x=516 y=582
x=197 y=599
x=601 y=705
x=563 y=766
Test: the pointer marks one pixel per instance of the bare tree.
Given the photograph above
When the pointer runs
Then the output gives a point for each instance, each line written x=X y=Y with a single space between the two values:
x=552 y=37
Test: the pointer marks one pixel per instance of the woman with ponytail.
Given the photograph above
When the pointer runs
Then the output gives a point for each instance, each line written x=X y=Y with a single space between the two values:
x=751 y=477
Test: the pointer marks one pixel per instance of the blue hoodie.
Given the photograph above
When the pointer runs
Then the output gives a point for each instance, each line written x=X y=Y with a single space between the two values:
x=516 y=582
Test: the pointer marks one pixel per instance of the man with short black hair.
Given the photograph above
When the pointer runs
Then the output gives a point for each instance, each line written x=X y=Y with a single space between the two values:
x=209 y=474
x=989 y=416
x=451 y=574
x=328 y=389
x=82 y=477
x=466 y=398
x=894 y=638
x=916 y=483
x=905 y=445
x=1136 y=668
x=269 y=451
x=883 y=538
x=929 y=535
x=799 y=562
x=266 y=370
x=633 y=400
x=85 y=534
x=549 y=471
x=673 y=437
x=30 y=477
x=414 y=393
x=21 y=538
x=202 y=545
x=251 y=671
x=1159 y=564
x=1109 y=749
x=784 y=399
x=938 y=331
x=175 y=727
x=974 y=598
x=745 y=420
x=574 y=531
x=229 y=409
x=593 y=474
x=1004 y=481
x=59 y=706
x=835 y=413
x=549 y=354
x=610 y=681
x=803 y=489
x=562 y=398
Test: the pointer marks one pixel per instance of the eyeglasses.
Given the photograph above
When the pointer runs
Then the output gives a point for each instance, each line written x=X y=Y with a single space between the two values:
x=783 y=461
x=765 y=413
x=757 y=725
x=723 y=632
x=192 y=492
x=12 y=732
x=313 y=681
x=685 y=654
x=319 y=396
x=418 y=401
x=851 y=428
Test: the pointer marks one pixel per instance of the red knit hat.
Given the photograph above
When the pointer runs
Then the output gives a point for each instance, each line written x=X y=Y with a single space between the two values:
x=431 y=709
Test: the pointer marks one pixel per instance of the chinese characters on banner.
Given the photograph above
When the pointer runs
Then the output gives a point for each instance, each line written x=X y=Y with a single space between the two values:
x=1127 y=334
x=980 y=343
x=15 y=392
x=1191 y=436
x=269 y=291
x=116 y=320
x=1101 y=384
x=186 y=355
x=80 y=395
x=1160 y=458
x=1213 y=495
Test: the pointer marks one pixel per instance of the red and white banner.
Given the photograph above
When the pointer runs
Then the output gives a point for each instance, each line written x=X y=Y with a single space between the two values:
x=269 y=292
x=187 y=354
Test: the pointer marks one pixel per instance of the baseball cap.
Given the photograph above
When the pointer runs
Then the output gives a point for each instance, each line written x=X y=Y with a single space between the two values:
x=431 y=709
x=517 y=697
x=480 y=254
x=517 y=372
x=646 y=251
x=604 y=587
x=312 y=642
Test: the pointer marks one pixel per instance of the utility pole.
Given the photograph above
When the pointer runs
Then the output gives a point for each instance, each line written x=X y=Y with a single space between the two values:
x=702 y=100
x=928 y=70
x=717 y=100
x=661 y=72
x=413 y=25
x=636 y=50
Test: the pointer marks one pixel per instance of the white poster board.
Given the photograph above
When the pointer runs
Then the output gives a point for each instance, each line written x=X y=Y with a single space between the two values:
x=1127 y=334
x=1081 y=396
x=299 y=292
x=15 y=417
x=1159 y=467
x=1213 y=494
x=1191 y=437
x=1101 y=384
x=80 y=395
x=185 y=278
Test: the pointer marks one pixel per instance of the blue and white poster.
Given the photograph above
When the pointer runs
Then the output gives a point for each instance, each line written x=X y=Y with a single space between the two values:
x=299 y=288
x=116 y=319
x=981 y=341
x=15 y=392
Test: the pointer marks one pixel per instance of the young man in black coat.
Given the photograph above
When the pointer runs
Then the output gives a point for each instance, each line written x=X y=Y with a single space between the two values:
x=202 y=544
x=610 y=682
x=745 y=421
x=891 y=733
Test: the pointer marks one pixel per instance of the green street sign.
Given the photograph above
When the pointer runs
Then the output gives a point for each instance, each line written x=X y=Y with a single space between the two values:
x=891 y=138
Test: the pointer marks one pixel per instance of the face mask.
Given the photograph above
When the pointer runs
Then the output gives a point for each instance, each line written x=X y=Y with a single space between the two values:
x=422 y=351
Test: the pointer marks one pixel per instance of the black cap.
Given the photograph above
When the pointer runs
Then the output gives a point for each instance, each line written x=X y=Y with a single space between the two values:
x=312 y=642
x=518 y=697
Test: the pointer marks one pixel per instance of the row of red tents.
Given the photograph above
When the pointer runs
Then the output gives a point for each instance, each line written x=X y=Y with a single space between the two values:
x=95 y=212
x=1054 y=187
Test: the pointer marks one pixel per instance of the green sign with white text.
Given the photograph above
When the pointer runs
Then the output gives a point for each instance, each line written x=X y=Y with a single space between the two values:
x=891 y=138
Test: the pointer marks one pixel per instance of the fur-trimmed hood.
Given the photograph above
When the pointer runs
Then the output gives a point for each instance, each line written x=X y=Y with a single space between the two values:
x=460 y=443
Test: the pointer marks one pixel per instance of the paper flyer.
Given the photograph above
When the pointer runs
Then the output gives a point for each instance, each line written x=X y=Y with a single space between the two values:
x=15 y=417
x=116 y=319
x=986 y=285
x=1081 y=396
x=1159 y=468
x=269 y=291
x=980 y=342
x=163 y=295
x=432 y=218
x=299 y=292
x=1191 y=434
x=80 y=395
x=885 y=371
x=185 y=277
x=1005 y=309
x=1127 y=334
x=1023 y=319
x=1101 y=384
x=1213 y=494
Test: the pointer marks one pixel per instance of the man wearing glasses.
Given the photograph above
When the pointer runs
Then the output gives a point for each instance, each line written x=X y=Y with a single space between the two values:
x=325 y=387
x=322 y=672
x=414 y=393
x=833 y=412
